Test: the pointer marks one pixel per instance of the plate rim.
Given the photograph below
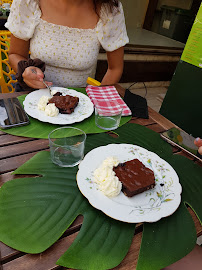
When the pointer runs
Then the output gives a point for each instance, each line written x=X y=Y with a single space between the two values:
x=177 y=200
x=63 y=123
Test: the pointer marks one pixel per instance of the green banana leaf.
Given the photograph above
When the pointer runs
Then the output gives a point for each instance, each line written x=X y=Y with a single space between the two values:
x=35 y=212
x=38 y=129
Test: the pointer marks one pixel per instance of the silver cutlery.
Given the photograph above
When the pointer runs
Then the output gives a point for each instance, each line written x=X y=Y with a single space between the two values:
x=34 y=71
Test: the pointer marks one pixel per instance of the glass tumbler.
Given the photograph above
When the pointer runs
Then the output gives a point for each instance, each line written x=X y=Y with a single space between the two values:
x=67 y=146
x=108 y=114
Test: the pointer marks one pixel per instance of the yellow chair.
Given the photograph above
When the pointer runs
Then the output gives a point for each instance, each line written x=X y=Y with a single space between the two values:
x=6 y=80
x=6 y=1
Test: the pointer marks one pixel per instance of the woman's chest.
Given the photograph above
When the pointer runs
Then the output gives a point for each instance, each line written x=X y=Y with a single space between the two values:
x=76 y=15
x=65 y=47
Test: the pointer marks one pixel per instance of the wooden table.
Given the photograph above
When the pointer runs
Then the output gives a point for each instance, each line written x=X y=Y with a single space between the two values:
x=15 y=151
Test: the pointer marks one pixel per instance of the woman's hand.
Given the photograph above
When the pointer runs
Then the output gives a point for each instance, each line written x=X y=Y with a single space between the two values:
x=198 y=143
x=34 y=80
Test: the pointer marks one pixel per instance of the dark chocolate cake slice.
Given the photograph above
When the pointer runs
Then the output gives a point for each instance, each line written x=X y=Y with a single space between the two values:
x=57 y=94
x=65 y=104
x=135 y=177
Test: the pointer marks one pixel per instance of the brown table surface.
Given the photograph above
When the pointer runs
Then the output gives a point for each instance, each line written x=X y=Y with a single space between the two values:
x=15 y=151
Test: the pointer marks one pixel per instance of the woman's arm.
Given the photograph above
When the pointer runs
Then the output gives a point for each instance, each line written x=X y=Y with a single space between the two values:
x=19 y=50
x=115 y=67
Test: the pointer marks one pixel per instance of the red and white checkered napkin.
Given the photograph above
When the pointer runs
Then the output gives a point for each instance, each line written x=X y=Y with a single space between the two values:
x=108 y=95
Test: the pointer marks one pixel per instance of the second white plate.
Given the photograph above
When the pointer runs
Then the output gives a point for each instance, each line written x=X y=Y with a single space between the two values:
x=149 y=206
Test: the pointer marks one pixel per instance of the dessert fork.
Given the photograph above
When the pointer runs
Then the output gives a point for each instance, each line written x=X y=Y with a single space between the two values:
x=34 y=71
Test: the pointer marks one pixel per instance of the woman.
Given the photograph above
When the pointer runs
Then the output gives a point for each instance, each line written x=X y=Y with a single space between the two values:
x=66 y=35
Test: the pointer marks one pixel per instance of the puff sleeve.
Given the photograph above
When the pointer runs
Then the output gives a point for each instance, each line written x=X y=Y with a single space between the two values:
x=23 y=18
x=111 y=29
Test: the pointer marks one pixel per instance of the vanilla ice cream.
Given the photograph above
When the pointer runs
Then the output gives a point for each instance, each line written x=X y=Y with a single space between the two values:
x=106 y=179
x=43 y=102
x=51 y=110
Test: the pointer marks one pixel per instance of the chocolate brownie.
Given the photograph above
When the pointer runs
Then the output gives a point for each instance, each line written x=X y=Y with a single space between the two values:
x=57 y=94
x=65 y=104
x=135 y=177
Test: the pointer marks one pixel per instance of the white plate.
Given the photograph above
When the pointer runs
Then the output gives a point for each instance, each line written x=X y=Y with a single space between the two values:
x=149 y=206
x=84 y=109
